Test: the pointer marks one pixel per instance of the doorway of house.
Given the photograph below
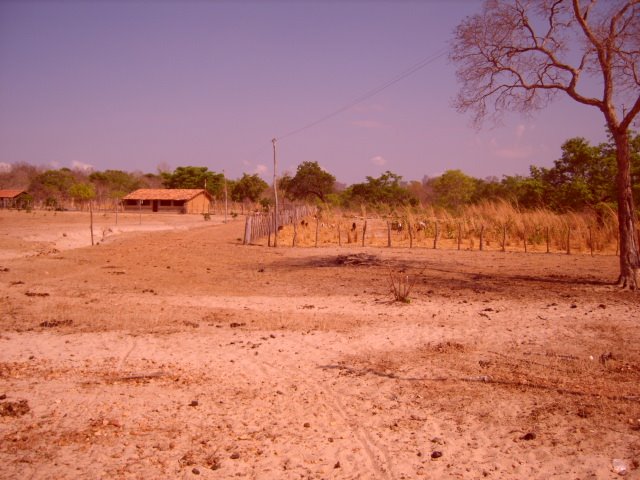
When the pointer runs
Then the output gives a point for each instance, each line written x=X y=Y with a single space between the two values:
x=155 y=205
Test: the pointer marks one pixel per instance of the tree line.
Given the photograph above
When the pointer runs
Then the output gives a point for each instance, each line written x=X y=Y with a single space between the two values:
x=56 y=188
x=582 y=178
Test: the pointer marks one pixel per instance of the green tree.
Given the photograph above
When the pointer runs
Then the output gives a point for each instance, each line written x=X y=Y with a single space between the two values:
x=527 y=192
x=310 y=180
x=581 y=178
x=453 y=189
x=149 y=180
x=195 y=177
x=516 y=55
x=249 y=187
x=82 y=192
x=52 y=186
x=387 y=189
x=113 y=184
x=608 y=154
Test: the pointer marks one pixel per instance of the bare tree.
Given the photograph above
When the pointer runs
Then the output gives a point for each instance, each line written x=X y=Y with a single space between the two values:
x=517 y=54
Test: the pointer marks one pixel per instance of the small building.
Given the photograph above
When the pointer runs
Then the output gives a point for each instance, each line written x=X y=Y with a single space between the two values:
x=176 y=200
x=14 y=199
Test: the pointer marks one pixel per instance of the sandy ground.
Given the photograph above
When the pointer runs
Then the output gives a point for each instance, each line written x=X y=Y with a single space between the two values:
x=170 y=350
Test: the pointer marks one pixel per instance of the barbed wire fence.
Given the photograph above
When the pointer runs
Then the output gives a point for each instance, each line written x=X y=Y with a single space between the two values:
x=309 y=227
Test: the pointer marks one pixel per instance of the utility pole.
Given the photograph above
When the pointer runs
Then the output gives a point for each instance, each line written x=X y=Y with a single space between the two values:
x=275 y=193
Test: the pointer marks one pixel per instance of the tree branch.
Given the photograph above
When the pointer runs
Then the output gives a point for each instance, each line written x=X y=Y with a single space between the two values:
x=628 y=118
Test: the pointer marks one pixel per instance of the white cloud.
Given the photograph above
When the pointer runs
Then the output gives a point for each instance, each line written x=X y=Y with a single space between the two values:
x=261 y=169
x=85 y=167
x=520 y=129
x=378 y=160
x=514 y=153
x=5 y=167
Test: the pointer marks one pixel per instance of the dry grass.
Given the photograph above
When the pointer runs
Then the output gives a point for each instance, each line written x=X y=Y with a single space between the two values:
x=489 y=226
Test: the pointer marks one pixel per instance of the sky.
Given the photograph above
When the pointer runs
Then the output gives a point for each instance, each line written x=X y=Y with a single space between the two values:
x=148 y=85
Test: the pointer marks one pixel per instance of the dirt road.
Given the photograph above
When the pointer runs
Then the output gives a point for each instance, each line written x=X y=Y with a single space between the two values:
x=184 y=354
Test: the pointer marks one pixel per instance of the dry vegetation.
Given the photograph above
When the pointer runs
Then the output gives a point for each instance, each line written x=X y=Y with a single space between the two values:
x=497 y=225
x=182 y=353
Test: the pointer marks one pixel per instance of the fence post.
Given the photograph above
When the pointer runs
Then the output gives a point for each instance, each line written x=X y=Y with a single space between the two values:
x=364 y=232
x=247 y=231
x=569 y=240
x=591 y=240
x=339 y=236
x=91 y=217
x=481 y=237
x=524 y=237
x=317 y=229
x=388 y=234
x=504 y=237
x=295 y=233
x=410 y=234
x=435 y=237
x=547 y=238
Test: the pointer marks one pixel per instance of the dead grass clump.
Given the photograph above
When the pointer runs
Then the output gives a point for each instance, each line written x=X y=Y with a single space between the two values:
x=401 y=285
x=36 y=294
x=358 y=259
x=56 y=323
x=447 y=347
x=14 y=409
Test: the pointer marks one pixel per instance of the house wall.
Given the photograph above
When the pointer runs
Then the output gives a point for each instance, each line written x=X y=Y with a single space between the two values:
x=20 y=201
x=198 y=204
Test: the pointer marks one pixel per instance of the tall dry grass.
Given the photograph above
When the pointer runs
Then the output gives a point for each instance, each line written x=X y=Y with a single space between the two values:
x=488 y=226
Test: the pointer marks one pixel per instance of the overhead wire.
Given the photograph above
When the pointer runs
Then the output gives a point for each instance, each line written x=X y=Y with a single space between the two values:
x=370 y=93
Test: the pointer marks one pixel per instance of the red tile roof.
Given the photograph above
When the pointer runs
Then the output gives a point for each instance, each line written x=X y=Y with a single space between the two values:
x=10 y=193
x=166 y=194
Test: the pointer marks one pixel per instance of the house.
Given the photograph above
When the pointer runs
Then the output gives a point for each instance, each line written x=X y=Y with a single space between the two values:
x=177 y=200
x=14 y=199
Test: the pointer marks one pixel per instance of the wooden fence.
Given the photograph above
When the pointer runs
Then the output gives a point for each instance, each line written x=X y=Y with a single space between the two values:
x=259 y=225
x=435 y=233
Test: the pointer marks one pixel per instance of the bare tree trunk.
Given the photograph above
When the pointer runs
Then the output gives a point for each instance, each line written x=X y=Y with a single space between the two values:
x=629 y=257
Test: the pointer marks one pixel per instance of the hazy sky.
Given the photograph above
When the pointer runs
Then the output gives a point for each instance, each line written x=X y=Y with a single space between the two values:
x=134 y=85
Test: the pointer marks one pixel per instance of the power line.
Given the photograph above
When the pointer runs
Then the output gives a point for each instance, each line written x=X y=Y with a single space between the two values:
x=374 y=91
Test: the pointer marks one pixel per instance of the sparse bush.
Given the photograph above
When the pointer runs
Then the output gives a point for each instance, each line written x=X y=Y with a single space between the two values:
x=401 y=284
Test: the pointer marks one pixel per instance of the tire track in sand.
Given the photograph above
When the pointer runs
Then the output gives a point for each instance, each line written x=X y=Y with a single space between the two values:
x=374 y=460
